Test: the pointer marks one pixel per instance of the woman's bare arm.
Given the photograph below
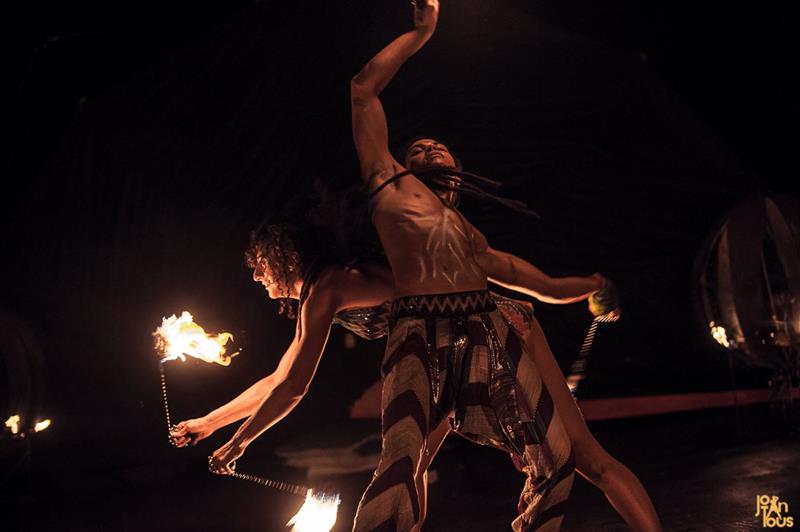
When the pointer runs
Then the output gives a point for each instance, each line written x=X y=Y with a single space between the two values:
x=243 y=405
x=368 y=286
x=292 y=378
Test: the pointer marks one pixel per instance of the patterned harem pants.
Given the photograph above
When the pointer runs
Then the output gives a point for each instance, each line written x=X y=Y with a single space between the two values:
x=460 y=353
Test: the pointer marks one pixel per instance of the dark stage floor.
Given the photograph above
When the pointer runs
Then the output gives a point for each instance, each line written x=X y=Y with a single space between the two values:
x=702 y=477
x=711 y=490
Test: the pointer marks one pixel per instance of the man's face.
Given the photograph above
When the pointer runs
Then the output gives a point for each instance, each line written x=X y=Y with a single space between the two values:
x=428 y=152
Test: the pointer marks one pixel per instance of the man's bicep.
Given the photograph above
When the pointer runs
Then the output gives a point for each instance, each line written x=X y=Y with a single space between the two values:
x=513 y=272
x=498 y=266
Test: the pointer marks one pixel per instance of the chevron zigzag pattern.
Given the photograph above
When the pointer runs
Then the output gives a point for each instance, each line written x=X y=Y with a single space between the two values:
x=443 y=305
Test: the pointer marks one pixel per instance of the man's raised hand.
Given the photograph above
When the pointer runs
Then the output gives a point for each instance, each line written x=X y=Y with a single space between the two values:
x=426 y=15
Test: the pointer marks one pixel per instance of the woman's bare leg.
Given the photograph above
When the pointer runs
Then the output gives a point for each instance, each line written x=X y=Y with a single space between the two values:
x=434 y=443
x=621 y=487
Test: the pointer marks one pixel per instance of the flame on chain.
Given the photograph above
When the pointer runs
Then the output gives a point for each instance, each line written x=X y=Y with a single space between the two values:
x=318 y=513
x=179 y=337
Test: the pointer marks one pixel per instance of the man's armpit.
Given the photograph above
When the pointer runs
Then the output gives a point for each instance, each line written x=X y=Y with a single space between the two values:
x=380 y=175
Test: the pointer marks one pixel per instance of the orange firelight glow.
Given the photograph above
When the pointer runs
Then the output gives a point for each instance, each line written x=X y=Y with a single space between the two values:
x=178 y=337
x=318 y=513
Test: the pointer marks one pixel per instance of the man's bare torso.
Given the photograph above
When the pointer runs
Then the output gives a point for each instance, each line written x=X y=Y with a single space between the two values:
x=432 y=248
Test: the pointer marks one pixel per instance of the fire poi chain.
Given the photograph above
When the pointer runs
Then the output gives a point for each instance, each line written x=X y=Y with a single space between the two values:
x=179 y=337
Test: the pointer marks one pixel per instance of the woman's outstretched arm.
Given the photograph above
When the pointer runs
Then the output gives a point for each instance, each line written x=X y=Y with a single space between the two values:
x=292 y=378
x=243 y=405
x=369 y=286
x=370 y=131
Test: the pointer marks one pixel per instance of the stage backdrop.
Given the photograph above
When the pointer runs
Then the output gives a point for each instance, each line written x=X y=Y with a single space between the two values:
x=143 y=207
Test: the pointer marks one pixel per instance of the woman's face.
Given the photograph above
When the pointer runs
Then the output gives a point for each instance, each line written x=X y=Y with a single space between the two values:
x=265 y=274
x=279 y=281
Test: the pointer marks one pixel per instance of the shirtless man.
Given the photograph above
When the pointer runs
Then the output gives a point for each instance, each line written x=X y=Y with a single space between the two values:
x=449 y=354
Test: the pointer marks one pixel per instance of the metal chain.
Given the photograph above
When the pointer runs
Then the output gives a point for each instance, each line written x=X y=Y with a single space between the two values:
x=589 y=340
x=170 y=426
x=294 y=489
x=578 y=367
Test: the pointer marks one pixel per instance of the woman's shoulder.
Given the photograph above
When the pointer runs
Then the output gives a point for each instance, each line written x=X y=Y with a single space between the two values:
x=358 y=286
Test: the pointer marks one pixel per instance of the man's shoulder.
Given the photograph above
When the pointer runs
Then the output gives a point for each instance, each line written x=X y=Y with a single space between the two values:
x=381 y=174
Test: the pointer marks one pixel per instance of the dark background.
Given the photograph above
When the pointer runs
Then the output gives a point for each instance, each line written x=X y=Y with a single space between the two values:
x=148 y=138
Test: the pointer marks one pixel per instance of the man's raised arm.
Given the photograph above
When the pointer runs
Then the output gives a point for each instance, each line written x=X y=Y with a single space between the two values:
x=370 y=132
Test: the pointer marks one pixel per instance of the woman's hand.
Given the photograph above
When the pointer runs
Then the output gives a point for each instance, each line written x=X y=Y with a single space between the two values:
x=191 y=431
x=426 y=15
x=223 y=461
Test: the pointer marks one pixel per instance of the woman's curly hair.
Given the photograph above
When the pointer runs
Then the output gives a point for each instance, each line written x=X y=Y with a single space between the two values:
x=335 y=231
x=275 y=244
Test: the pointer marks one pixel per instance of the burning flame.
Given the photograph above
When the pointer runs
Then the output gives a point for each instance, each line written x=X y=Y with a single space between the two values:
x=318 y=513
x=181 y=336
x=13 y=424
x=719 y=334
x=41 y=425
